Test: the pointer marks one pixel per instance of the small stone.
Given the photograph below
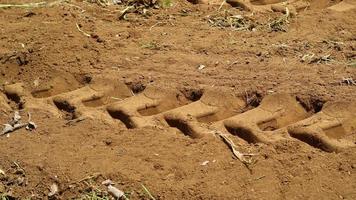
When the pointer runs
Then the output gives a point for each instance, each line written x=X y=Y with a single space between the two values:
x=31 y=126
x=201 y=67
x=108 y=141
x=205 y=163
x=53 y=190
x=39 y=167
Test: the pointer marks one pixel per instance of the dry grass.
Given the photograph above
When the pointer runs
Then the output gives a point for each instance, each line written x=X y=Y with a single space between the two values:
x=233 y=21
x=153 y=45
x=32 y=5
x=311 y=58
x=238 y=22
x=142 y=7
x=95 y=194
x=280 y=24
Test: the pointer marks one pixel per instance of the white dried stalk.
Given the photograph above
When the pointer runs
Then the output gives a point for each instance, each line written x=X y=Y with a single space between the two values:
x=241 y=156
x=115 y=192
x=15 y=123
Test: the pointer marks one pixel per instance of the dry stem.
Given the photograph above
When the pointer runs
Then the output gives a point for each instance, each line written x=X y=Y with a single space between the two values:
x=241 y=156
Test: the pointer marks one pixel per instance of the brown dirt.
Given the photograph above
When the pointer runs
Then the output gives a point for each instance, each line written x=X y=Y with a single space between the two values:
x=137 y=102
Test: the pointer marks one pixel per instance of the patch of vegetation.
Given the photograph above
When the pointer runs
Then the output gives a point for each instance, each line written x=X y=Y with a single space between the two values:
x=239 y=22
x=166 y=3
x=142 y=6
x=279 y=24
x=153 y=45
x=321 y=59
x=229 y=20
x=95 y=195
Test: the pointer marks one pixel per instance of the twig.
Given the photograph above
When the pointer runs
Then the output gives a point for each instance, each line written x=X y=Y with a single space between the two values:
x=94 y=176
x=233 y=63
x=156 y=25
x=75 y=6
x=148 y=192
x=72 y=121
x=348 y=81
x=259 y=178
x=116 y=98
x=125 y=11
x=221 y=5
x=132 y=93
x=18 y=166
x=80 y=30
x=26 y=5
x=237 y=154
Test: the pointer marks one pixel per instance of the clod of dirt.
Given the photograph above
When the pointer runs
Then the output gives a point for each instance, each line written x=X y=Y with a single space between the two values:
x=192 y=94
x=29 y=14
x=31 y=126
x=136 y=87
x=85 y=79
x=253 y=98
x=108 y=141
x=97 y=38
x=20 y=58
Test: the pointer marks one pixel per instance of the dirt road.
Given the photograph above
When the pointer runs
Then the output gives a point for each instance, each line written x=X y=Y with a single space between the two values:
x=147 y=100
